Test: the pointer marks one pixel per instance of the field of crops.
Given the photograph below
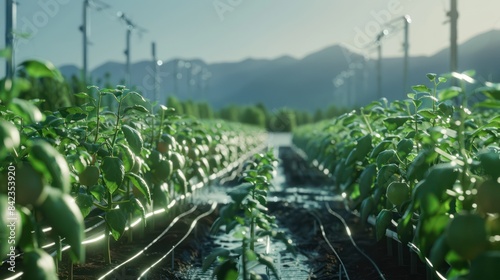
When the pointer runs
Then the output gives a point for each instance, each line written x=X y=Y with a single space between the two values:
x=428 y=169
x=88 y=190
x=70 y=176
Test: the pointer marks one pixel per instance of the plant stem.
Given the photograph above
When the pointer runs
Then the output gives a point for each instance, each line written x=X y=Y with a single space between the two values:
x=244 y=259
x=107 y=251
x=118 y=116
x=99 y=100
x=366 y=121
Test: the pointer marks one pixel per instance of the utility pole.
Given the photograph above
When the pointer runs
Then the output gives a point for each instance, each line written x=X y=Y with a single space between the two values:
x=406 y=46
x=453 y=14
x=127 y=54
x=379 y=62
x=85 y=32
x=156 y=65
x=130 y=26
x=10 y=26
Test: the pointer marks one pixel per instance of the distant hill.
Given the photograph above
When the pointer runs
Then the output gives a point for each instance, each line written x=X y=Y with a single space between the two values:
x=305 y=83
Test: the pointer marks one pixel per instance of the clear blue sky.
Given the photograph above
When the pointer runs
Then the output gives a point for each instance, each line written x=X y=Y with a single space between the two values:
x=238 y=30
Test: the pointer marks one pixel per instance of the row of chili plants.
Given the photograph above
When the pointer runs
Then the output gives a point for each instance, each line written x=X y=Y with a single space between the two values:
x=427 y=167
x=58 y=167
x=246 y=218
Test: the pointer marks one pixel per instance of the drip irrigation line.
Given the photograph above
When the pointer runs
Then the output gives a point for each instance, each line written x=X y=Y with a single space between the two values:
x=330 y=245
x=193 y=225
x=348 y=231
x=174 y=221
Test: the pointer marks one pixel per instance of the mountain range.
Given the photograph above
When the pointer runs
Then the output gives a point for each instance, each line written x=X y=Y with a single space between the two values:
x=308 y=83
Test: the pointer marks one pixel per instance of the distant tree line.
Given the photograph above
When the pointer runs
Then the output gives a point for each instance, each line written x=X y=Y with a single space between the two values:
x=279 y=120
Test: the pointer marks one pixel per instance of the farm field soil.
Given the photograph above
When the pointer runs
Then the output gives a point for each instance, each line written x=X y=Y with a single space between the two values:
x=298 y=220
x=121 y=251
x=292 y=214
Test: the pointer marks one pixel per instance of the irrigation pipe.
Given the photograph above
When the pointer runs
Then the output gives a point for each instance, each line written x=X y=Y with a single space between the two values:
x=193 y=225
x=342 y=266
x=174 y=221
x=348 y=231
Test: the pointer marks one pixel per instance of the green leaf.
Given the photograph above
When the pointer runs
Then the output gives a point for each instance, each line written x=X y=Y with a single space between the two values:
x=98 y=192
x=127 y=156
x=405 y=231
x=240 y=192
x=366 y=180
x=449 y=93
x=429 y=230
x=367 y=207
x=382 y=146
x=134 y=138
x=442 y=80
x=141 y=185
x=387 y=157
x=404 y=147
x=38 y=264
x=47 y=160
x=228 y=270
x=431 y=76
x=421 y=88
x=431 y=191
x=41 y=69
x=387 y=174
x=428 y=115
x=490 y=161
x=393 y=123
x=116 y=220
x=363 y=146
x=9 y=138
x=138 y=95
x=212 y=257
x=82 y=95
x=26 y=110
x=181 y=182
x=383 y=221
x=488 y=104
x=138 y=108
x=420 y=165
x=350 y=118
x=85 y=202
x=113 y=173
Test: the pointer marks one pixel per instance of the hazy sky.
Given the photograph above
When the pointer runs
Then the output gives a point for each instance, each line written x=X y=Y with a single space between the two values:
x=231 y=30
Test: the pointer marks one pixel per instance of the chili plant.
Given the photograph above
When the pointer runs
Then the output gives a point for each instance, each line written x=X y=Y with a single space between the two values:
x=246 y=219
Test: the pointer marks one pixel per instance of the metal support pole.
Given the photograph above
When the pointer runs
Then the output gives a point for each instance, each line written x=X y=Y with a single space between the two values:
x=453 y=14
x=127 y=54
x=156 y=70
x=406 y=46
x=379 y=71
x=10 y=26
x=85 y=32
